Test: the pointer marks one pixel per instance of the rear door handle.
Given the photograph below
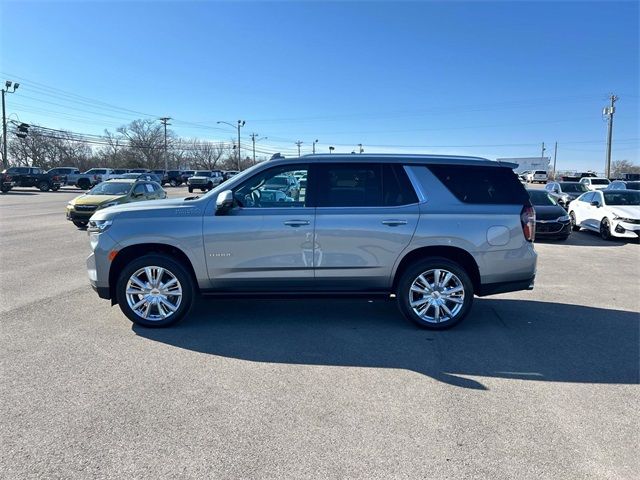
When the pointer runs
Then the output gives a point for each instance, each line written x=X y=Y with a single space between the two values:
x=392 y=222
x=296 y=223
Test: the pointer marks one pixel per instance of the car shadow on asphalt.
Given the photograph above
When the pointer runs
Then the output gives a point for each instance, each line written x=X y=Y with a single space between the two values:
x=503 y=338
x=587 y=238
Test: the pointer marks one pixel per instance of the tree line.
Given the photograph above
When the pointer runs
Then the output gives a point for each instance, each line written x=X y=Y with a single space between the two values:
x=140 y=144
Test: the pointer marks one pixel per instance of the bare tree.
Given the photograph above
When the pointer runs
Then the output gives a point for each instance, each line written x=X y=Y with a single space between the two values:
x=145 y=140
x=207 y=154
x=618 y=167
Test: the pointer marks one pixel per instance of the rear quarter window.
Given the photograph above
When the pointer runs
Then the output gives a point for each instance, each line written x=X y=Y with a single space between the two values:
x=481 y=185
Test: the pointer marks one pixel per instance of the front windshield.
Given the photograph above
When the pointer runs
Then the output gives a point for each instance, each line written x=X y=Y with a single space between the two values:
x=202 y=173
x=541 y=198
x=622 y=198
x=573 y=187
x=111 y=188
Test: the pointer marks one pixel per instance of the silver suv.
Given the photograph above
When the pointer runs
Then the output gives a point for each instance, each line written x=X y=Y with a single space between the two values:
x=433 y=230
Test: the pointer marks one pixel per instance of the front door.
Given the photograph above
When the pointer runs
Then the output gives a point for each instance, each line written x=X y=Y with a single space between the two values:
x=265 y=242
x=366 y=215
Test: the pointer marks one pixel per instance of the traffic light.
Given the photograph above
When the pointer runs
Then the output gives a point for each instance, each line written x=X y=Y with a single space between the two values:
x=22 y=130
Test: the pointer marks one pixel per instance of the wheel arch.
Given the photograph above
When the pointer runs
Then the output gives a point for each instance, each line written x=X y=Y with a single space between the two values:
x=455 y=254
x=132 y=252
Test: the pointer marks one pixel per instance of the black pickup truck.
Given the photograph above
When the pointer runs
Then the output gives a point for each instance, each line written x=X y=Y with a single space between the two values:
x=32 y=177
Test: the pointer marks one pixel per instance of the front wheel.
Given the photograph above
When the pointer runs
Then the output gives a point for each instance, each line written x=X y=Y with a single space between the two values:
x=80 y=223
x=84 y=184
x=43 y=186
x=155 y=291
x=435 y=293
x=605 y=229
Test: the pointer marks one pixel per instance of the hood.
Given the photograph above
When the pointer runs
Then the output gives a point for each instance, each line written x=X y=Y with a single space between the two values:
x=549 y=212
x=97 y=199
x=628 y=211
x=153 y=207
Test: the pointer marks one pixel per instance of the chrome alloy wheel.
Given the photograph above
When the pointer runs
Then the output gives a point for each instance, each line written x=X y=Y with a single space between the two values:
x=436 y=295
x=154 y=293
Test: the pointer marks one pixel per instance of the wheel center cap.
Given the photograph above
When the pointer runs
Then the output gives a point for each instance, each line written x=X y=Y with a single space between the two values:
x=155 y=292
x=436 y=294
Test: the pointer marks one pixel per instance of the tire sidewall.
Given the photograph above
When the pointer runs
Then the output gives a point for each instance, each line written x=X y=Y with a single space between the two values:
x=176 y=269
x=418 y=268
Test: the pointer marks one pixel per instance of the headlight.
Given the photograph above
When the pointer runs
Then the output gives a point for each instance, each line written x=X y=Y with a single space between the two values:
x=99 y=226
x=107 y=205
x=564 y=218
x=628 y=220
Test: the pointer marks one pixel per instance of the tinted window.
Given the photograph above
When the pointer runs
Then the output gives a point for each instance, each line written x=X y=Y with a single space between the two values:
x=622 y=198
x=363 y=185
x=599 y=181
x=484 y=185
x=541 y=172
x=573 y=187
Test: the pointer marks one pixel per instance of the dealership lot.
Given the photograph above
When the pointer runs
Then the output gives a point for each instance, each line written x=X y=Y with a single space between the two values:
x=540 y=384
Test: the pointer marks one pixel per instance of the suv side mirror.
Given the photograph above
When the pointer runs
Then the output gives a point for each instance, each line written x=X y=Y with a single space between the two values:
x=595 y=203
x=224 y=202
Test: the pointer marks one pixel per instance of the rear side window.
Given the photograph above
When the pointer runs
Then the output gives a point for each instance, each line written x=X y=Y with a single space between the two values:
x=483 y=185
x=363 y=185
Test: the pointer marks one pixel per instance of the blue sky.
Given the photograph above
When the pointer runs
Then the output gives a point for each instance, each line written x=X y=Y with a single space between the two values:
x=480 y=78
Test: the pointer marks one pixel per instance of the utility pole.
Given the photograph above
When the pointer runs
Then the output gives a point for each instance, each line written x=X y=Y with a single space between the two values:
x=314 y=146
x=240 y=124
x=555 y=155
x=165 y=122
x=608 y=112
x=360 y=149
x=299 y=144
x=543 y=150
x=253 y=139
x=7 y=85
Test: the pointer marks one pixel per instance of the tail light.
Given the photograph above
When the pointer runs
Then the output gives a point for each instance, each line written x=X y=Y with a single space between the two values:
x=7 y=178
x=528 y=221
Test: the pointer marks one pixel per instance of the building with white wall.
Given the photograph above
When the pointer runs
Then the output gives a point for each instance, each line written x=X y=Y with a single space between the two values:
x=528 y=163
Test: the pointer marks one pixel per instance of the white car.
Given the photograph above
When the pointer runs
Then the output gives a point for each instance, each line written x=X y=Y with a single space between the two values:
x=595 y=183
x=612 y=213
x=539 y=176
x=527 y=175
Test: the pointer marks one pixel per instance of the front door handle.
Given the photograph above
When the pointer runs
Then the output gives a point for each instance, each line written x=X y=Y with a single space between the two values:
x=296 y=223
x=394 y=222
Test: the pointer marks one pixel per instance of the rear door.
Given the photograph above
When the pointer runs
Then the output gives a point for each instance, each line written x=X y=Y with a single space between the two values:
x=366 y=214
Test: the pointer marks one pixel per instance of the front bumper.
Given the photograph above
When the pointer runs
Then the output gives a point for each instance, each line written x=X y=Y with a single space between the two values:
x=553 y=229
x=73 y=214
x=622 y=229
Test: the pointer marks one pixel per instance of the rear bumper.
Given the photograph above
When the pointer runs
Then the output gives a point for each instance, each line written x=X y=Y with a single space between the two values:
x=504 y=287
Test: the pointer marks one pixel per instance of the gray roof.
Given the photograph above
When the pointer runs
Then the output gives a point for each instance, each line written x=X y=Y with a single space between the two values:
x=396 y=158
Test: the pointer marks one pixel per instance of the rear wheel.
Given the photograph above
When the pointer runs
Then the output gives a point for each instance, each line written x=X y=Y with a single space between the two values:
x=55 y=188
x=173 y=183
x=43 y=186
x=435 y=293
x=155 y=291
x=4 y=189
x=84 y=184
x=605 y=229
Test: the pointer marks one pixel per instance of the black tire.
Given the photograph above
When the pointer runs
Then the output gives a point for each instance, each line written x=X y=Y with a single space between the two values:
x=411 y=274
x=574 y=227
x=84 y=184
x=173 y=183
x=43 y=186
x=55 y=188
x=5 y=189
x=80 y=223
x=204 y=189
x=190 y=189
x=209 y=186
x=176 y=269
x=605 y=229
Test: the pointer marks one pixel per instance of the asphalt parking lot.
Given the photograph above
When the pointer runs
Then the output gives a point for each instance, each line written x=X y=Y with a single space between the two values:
x=540 y=384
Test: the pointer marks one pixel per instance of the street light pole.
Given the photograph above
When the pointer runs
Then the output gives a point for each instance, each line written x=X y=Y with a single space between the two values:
x=314 y=146
x=165 y=122
x=253 y=139
x=240 y=124
x=331 y=149
x=7 y=84
x=299 y=144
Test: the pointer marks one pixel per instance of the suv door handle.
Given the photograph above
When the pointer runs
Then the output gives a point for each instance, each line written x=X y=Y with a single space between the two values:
x=394 y=222
x=296 y=223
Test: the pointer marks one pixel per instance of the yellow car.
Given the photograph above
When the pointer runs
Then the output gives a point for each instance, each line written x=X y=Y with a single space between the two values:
x=110 y=193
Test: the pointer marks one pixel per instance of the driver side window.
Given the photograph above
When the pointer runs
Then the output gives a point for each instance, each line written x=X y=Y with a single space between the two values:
x=279 y=187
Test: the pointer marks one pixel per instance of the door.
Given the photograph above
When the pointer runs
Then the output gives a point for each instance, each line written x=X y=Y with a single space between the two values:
x=265 y=242
x=366 y=215
x=582 y=210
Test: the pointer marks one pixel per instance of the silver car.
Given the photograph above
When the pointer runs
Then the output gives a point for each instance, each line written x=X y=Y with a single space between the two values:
x=432 y=230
